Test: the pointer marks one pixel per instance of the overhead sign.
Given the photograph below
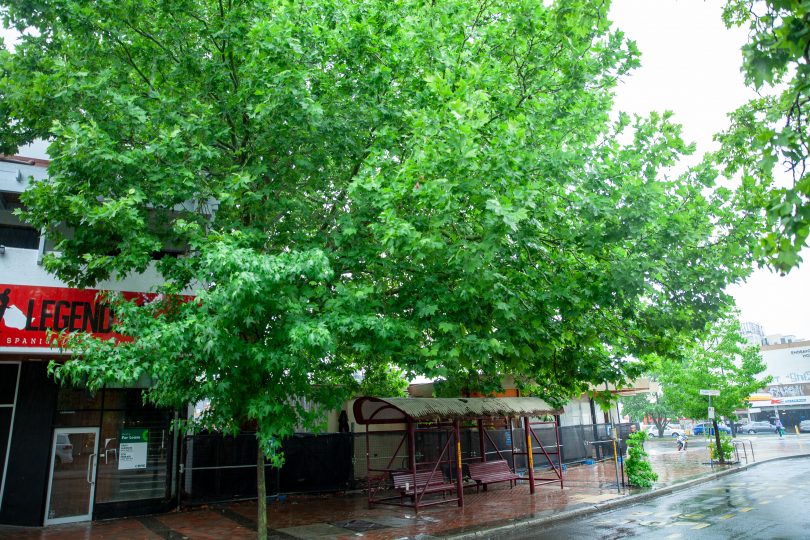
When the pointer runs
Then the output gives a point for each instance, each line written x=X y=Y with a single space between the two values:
x=798 y=400
x=28 y=313
x=710 y=392
x=133 y=449
x=787 y=364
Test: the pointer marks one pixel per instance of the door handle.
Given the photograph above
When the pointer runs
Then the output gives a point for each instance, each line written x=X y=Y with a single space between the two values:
x=90 y=466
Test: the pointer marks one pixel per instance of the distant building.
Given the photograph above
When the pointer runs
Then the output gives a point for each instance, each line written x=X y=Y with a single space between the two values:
x=788 y=395
x=753 y=333
x=780 y=339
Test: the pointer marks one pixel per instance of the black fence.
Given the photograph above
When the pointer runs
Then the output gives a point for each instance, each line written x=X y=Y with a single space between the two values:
x=220 y=468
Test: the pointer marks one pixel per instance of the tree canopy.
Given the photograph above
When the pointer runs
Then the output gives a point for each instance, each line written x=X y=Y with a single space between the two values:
x=768 y=143
x=720 y=360
x=437 y=186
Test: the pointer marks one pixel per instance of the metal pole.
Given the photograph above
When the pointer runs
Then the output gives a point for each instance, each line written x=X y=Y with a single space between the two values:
x=512 y=443
x=705 y=434
x=412 y=463
x=618 y=422
x=368 y=470
x=616 y=464
x=529 y=453
x=481 y=445
x=559 y=446
x=459 y=485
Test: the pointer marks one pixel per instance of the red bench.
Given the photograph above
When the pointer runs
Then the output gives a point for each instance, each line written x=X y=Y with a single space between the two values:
x=490 y=472
x=425 y=482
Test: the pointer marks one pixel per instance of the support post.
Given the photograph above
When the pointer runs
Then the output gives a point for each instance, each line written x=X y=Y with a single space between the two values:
x=597 y=447
x=616 y=464
x=512 y=442
x=529 y=452
x=559 y=446
x=618 y=422
x=459 y=484
x=368 y=468
x=412 y=462
x=261 y=492
x=481 y=445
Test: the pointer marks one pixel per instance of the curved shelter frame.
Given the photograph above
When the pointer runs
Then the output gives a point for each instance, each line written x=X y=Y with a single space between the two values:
x=445 y=416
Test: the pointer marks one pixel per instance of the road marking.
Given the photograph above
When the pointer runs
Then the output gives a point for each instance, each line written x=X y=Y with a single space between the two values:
x=764 y=502
x=727 y=516
x=700 y=526
x=746 y=509
x=673 y=536
x=642 y=513
x=694 y=516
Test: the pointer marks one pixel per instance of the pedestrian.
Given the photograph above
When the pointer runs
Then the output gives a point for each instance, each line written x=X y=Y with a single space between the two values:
x=780 y=429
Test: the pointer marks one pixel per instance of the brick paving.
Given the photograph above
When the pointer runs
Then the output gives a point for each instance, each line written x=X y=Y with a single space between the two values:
x=343 y=517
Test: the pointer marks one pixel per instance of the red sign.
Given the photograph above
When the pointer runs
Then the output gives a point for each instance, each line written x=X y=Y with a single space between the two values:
x=28 y=312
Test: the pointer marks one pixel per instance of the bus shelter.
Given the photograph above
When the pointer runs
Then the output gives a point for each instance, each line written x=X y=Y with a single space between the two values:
x=415 y=477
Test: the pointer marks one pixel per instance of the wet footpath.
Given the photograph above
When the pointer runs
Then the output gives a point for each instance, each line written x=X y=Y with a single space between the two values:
x=484 y=514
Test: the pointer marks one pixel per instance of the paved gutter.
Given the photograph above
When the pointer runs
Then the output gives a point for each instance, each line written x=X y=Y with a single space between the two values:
x=628 y=500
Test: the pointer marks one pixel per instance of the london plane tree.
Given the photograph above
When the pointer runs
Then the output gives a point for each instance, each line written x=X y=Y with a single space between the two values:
x=437 y=186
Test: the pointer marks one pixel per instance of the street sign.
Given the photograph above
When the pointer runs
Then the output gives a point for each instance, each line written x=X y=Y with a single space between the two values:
x=711 y=413
x=710 y=392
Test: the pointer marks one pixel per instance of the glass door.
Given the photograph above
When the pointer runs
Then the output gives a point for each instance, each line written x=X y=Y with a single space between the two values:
x=72 y=483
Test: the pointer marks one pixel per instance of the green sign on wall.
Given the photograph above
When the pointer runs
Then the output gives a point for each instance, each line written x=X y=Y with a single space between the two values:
x=133 y=448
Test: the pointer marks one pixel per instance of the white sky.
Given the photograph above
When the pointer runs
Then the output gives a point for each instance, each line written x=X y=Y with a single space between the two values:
x=690 y=65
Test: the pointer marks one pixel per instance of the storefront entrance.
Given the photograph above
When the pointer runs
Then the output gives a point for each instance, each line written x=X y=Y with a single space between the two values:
x=72 y=480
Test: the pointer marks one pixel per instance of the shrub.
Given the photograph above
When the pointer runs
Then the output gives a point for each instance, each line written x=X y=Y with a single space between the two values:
x=725 y=446
x=639 y=471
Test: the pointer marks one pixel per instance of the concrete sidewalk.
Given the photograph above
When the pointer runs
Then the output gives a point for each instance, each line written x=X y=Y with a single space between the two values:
x=588 y=488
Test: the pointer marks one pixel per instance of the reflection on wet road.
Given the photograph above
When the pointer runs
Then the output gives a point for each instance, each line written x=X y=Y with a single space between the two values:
x=768 y=501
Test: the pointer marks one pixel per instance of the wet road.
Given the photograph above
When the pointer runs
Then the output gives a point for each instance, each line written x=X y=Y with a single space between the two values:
x=768 y=501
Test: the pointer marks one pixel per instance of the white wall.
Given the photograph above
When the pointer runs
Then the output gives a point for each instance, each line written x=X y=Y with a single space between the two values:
x=789 y=365
x=19 y=267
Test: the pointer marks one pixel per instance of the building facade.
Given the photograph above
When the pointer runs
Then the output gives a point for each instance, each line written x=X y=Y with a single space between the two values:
x=753 y=333
x=67 y=454
x=788 y=395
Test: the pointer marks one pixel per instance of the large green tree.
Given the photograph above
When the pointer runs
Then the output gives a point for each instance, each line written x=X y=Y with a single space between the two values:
x=350 y=184
x=768 y=142
x=720 y=359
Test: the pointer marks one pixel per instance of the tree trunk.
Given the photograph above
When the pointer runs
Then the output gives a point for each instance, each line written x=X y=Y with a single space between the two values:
x=720 y=455
x=261 y=488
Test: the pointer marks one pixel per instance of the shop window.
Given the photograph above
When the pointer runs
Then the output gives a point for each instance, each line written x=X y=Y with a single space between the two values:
x=76 y=399
x=134 y=451
x=8 y=383
x=135 y=442
x=13 y=232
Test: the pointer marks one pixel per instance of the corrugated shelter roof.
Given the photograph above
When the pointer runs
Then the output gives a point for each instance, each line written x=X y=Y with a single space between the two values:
x=369 y=410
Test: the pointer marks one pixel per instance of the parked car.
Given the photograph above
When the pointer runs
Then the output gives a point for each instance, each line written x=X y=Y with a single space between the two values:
x=64 y=449
x=701 y=428
x=757 y=427
x=804 y=426
x=669 y=431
